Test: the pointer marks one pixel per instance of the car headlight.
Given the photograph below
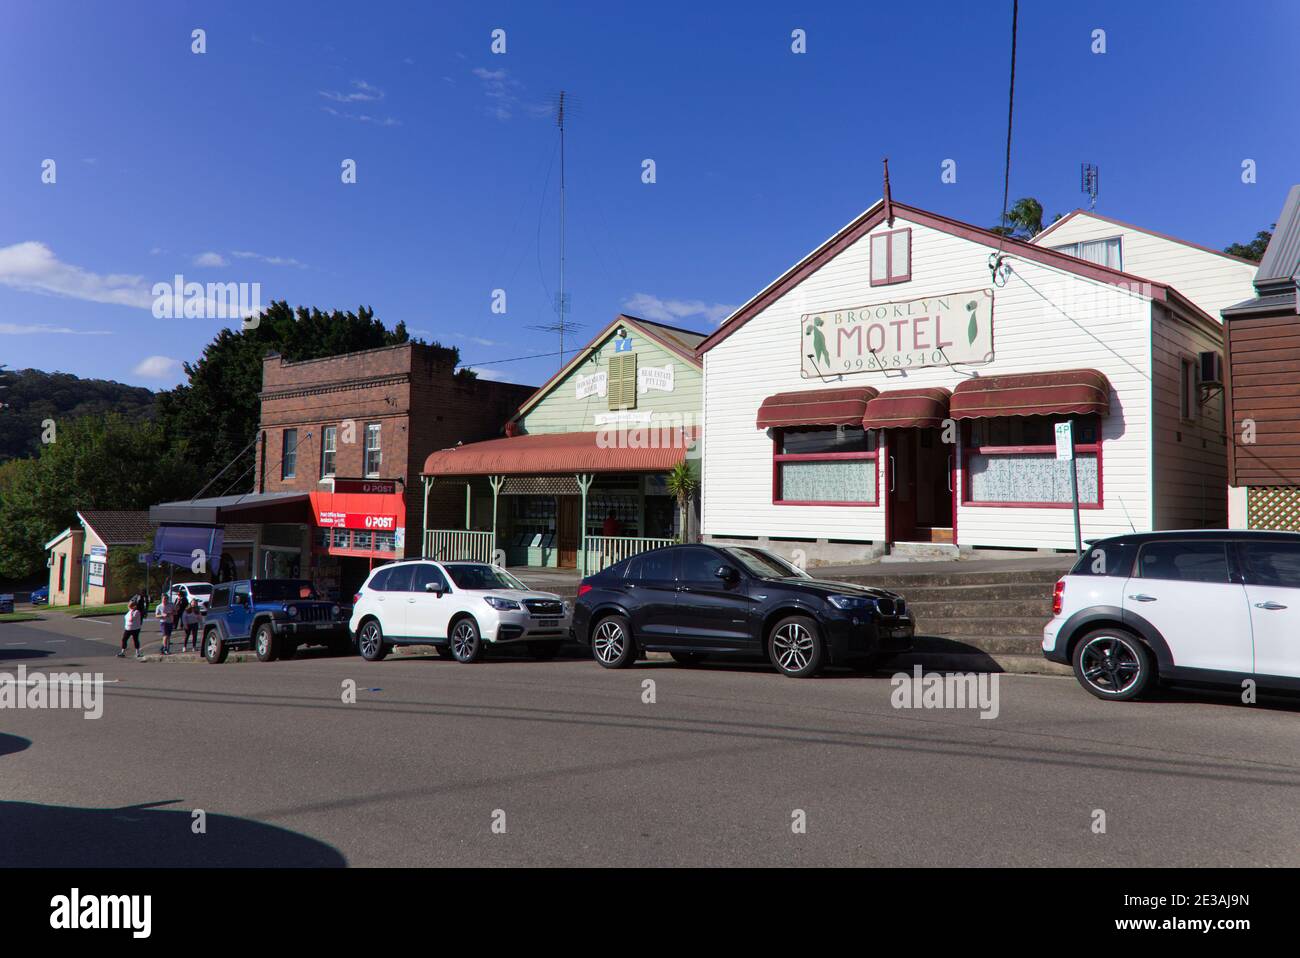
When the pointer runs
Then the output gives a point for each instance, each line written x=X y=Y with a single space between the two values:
x=501 y=605
x=335 y=611
x=292 y=610
x=567 y=607
x=849 y=602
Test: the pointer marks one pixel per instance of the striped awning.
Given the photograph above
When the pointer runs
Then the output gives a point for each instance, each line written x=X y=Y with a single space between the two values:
x=1059 y=393
x=816 y=407
x=920 y=408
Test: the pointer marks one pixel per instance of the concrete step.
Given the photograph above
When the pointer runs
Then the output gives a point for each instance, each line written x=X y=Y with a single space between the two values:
x=967 y=644
x=986 y=625
x=892 y=580
x=999 y=592
x=1037 y=610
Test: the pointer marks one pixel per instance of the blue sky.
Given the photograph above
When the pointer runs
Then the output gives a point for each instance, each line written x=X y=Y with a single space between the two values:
x=225 y=166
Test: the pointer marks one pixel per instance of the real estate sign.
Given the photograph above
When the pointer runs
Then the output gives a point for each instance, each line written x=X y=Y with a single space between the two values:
x=944 y=330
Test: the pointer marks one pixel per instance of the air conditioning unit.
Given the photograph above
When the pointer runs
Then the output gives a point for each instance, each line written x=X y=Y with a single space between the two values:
x=1211 y=369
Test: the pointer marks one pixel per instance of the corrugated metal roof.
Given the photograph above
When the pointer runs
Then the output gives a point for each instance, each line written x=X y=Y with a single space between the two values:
x=618 y=450
x=1282 y=258
x=1273 y=303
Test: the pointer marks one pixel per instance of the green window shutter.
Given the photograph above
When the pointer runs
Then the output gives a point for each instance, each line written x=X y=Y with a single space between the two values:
x=622 y=381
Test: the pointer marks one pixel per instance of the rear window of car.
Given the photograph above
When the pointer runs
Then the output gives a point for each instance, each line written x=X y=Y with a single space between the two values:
x=1200 y=560
x=399 y=579
x=1271 y=563
x=1110 y=558
x=379 y=581
x=220 y=596
x=652 y=566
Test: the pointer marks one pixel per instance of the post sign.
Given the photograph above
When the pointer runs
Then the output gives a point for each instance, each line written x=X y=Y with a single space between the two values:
x=941 y=330
x=1064 y=441
x=355 y=520
x=385 y=487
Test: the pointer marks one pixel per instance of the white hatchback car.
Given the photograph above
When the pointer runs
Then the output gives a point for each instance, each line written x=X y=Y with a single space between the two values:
x=1202 y=606
x=458 y=607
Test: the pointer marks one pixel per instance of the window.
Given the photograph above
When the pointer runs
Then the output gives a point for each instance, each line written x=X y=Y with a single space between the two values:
x=622 y=381
x=1271 y=563
x=1184 y=561
x=652 y=566
x=63 y=571
x=374 y=457
x=1106 y=558
x=329 y=436
x=1105 y=252
x=1012 y=462
x=834 y=465
x=1188 y=406
x=400 y=579
x=426 y=574
x=289 y=454
x=699 y=565
x=342 y=538
x=379 y=582
x=220 y=597
x=385 y=542
x=891 y=257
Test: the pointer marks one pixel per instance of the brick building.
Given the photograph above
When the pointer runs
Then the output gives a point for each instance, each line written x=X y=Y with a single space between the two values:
x=373 y=415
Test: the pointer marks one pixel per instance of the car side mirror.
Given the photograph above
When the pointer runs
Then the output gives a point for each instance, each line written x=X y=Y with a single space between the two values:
x=726 y=573
x=434 y=587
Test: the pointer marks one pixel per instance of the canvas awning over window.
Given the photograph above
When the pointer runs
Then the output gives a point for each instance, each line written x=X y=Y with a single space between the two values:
x=816 y=407
x=1060 y=393
x=920 y=408
x=179 y=545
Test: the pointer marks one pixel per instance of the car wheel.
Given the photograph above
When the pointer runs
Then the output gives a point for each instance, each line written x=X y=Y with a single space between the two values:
x=264 y=643
x=795 y=647
x=466 y=643
x=544 y=651
x=370 y=641
x=214 y=650
x=687 y=658
x=612 y=644
x=1113 y=664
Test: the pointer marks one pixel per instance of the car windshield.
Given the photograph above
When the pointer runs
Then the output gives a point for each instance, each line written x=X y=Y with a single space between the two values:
x=480 y=576
x=199 y=589
x=281 y=589
x=765 y=564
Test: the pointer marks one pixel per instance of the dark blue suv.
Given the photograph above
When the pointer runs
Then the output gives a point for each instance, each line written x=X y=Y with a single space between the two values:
x=273 y=617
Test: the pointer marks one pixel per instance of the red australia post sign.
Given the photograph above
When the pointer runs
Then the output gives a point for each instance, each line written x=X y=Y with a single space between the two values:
x=355 y=520
x=943 y=330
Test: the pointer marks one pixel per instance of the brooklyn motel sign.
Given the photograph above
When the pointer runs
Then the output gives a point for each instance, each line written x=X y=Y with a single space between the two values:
x=942 y=330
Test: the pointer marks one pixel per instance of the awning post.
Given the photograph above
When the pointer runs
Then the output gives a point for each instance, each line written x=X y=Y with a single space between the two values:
x=584 y=483
x=497 y=483
x=424 y=525
x=469 y=492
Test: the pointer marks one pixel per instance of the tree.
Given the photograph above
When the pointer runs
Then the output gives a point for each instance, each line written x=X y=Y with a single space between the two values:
x=214 y=416
x=104 y=462
x=682 y=486
x=1024 y=220
x=1254 y=250
x=29 y=397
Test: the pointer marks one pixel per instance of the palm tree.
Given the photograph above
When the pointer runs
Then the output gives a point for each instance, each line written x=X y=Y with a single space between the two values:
x=1024 y=219
x=682 y=485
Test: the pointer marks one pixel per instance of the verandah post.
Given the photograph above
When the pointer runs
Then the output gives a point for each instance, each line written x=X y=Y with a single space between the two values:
x=497 y=483
x=584 y=483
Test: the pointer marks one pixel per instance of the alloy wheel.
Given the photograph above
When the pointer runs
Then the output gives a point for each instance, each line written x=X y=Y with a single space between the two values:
x=462 y=640
x=369 y=640
x=793 y=644
x=1110 y=664
x=609 y=641
x=263 y=643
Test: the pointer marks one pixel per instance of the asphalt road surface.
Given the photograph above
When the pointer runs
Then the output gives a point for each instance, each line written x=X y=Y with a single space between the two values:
x=514 y=762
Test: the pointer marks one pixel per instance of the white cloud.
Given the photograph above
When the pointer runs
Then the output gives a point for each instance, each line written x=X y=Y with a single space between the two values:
x=505 y=95
x=209 y=259
x=32 y=267
x=362 y=92
x=674 y=310
x=270 y=260
x=493 y=375
x=158 y=367
x=26 y=329
x=363 y=117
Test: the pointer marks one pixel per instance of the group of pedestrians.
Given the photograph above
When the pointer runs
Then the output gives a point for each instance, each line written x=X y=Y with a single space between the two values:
x=174 y=614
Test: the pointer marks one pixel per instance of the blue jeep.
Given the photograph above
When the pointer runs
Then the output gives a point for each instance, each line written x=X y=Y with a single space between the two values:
x=273 y=617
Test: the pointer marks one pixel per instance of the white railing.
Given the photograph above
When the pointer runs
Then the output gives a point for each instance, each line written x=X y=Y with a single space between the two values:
x=604 y=551
x=449 y=544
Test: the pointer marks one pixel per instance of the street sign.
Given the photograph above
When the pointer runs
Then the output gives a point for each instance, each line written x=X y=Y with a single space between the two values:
x=1064 y=441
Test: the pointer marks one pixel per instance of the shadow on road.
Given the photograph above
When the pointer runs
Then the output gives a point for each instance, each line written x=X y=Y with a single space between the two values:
x=8 y=654
x=13 y=743
x=145 y=836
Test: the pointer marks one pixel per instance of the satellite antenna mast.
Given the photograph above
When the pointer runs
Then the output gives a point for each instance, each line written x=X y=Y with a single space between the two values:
x=562 y=324
x=1088 y=176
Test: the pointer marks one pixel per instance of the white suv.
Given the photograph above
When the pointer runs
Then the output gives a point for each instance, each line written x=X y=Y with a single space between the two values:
x=1202 y=607
x=459 y=607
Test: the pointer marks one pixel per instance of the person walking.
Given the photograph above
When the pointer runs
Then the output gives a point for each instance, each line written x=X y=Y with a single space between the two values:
x=166 y=613
x=190 y=620
x=131 y=623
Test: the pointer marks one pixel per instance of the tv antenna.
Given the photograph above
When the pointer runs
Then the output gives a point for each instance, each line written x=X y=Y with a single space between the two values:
x=562 y=324
x=1088 y=175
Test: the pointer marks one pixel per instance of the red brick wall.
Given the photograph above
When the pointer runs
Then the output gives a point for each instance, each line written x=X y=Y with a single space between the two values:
x=411 y=390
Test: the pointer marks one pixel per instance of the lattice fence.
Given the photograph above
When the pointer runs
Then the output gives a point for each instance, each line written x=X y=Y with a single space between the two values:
x=1276 y=508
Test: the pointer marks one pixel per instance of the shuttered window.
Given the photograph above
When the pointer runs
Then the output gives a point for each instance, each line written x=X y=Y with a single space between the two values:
x=622 y=381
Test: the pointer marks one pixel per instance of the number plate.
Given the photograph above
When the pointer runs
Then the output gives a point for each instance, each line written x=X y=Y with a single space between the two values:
x=547 y=623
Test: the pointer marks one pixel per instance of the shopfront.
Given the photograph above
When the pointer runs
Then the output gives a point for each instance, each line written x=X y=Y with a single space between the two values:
x=581 y=479
x=900 y=389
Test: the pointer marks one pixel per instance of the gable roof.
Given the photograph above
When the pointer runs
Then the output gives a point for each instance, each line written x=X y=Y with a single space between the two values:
x=118 y=527
x=875 y=214
x=1141 y=229
x=681 y=342
x=1281 y=262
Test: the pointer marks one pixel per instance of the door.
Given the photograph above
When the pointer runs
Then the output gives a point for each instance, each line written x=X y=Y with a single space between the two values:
x=1271 y=570
x=901 y=483
x=239 y=620
x=711 y=613
x=427 y=613
x=1185 y=589
x=569 y=530
x=391 y=601
x=651 y=586
x=920 y=484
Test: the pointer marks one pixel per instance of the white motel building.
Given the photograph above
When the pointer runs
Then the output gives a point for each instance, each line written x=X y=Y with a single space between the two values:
x=897 y=390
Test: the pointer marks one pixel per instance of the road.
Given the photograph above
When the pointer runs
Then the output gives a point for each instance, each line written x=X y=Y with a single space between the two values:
x=579 y=770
